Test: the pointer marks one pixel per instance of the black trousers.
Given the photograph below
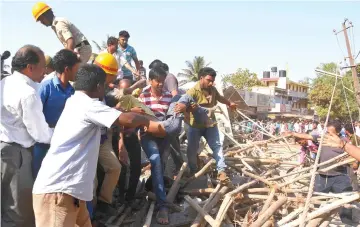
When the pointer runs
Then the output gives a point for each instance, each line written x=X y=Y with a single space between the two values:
x=133 y=147
x=335 y=184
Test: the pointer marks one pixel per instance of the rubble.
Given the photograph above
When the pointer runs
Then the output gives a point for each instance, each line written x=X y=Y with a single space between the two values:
x=269 y=188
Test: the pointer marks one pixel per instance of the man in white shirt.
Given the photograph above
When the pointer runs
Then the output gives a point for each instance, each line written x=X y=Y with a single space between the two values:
x=357 y=128
x=65 y=179
x=22 y=124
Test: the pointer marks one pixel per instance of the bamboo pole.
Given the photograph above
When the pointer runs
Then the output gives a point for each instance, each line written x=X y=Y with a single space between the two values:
x=270 y=211
x=326 y=209
x=176 y=185
x=141 y=214
x=201 y=172
x=290 y=216
x=268 y=201
x=149 y=215
x=199 y=221
x=203 y=213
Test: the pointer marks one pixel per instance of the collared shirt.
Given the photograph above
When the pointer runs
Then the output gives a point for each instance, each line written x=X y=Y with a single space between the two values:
x=65 y=30
x=53 y=97
x=119 y=58
x=70 y=164
x=22 y=119
x=49 y=76
x=129 y=54
x=159 y=106
x=204 y=98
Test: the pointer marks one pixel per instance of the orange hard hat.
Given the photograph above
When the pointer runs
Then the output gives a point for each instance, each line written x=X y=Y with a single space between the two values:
x=39 y=9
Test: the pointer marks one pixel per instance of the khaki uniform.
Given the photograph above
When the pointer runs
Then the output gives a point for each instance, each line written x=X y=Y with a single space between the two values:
x=65 y=30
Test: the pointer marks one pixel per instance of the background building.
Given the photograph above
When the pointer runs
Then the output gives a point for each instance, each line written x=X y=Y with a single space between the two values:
x=279 y=96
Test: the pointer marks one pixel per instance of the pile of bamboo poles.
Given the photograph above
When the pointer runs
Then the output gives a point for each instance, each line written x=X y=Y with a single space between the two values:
x=274 y=194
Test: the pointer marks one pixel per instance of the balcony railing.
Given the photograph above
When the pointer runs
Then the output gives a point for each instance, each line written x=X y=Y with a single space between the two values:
x=297 y=94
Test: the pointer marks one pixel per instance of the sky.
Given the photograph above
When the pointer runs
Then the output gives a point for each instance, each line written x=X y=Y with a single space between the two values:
x=297 y=36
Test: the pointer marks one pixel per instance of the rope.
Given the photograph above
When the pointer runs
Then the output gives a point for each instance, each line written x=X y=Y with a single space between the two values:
x=313 y=174
x=348 y=107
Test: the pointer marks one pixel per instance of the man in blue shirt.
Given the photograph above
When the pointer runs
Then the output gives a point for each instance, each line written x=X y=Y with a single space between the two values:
x=54 y=93
x=129 y=53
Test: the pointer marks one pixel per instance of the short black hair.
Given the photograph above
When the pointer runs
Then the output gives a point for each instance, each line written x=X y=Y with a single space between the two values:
x=112 y=41
x=26 y=55
x=349 y=127
x=206 y=71
x=157 y=73
x=89 y=77
x=336 y=124
x=124 y=33
x=155 y=63
x=165 y=67
x=64 y=58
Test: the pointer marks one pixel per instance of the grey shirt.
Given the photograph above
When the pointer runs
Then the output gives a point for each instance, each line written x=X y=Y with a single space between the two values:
x=170 y=83
x=328 y=153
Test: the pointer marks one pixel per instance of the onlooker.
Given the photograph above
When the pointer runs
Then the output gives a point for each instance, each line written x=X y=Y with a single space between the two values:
x=112 y=48
x=142 y=69
x=129 y=54
x=54 y=93
x=22 y=124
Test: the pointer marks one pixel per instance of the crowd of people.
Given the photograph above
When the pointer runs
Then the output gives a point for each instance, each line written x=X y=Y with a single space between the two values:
x=71 y=114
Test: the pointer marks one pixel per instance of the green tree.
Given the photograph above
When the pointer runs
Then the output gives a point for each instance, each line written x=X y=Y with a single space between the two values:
x=306 y=81
x=242 y=79
x=99 y=47
x=320 y=94
x=193 y=68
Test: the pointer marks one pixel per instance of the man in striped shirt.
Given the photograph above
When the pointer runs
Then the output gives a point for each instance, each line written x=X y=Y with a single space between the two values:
x=158 y=101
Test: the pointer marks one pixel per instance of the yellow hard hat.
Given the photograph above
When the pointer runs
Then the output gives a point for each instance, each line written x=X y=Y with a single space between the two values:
x=108 y=63
x=39 y=9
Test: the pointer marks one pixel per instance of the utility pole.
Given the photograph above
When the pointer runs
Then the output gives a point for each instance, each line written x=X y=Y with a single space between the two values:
x=352 y=62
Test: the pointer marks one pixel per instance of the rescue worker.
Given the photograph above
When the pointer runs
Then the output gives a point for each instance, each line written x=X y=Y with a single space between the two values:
x=69 y=35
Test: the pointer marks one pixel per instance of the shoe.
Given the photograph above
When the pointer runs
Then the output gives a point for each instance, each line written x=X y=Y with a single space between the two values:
x=224 y=179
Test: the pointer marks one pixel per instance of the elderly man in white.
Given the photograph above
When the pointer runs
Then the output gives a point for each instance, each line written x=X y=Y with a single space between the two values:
x=22 y=124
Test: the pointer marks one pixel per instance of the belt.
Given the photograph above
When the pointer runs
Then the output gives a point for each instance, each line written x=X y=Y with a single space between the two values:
x=83 y=43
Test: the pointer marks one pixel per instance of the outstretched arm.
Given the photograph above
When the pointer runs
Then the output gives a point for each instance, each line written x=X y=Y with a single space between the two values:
x=299 y=135
x=333 y=140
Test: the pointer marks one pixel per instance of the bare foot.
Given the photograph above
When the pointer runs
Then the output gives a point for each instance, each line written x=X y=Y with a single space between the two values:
x=162 y=216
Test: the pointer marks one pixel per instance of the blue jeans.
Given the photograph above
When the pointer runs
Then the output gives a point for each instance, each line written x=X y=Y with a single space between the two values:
x=173 y=121
x=212 y=137
x=335 y=184
x=154 y=148
x=39 y=152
